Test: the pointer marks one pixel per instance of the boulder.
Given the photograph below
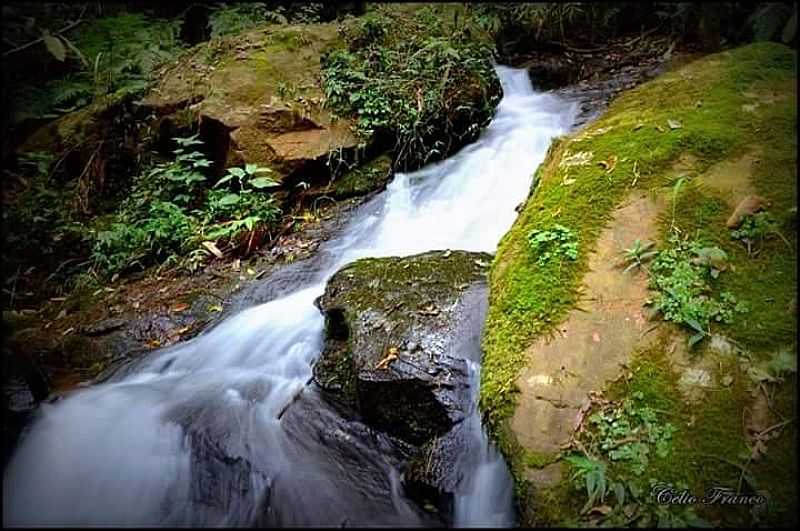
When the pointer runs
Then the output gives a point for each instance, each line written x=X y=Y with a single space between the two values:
x=258 y=97
x=400 y=333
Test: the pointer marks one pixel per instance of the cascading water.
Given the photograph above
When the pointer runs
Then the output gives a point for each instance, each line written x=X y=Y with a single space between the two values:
x=194 y=434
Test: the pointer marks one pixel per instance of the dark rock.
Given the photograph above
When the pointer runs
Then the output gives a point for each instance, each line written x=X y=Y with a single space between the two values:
x=103 y=327
x=415 y=394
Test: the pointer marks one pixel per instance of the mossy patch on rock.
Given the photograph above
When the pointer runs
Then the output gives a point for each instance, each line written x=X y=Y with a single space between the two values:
x=690 y=113
x=263 y=87
x=393 y=343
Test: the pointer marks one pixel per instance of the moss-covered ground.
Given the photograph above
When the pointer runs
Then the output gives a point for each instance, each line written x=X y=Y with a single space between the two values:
x=697 y=111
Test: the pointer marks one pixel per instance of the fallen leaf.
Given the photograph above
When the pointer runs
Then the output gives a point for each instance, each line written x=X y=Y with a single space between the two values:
x=674 y=124
x=213 y=248
x=215 y=308
x=61 y=314
x=391 y=355
x=609 y=164
x=236 y=265
x=68 y=331
x=180 y=307
x=251 y=271
x=58 y=299
x=596 y=337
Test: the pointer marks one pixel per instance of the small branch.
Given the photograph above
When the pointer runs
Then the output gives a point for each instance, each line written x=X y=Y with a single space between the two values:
x=579 y=50
x=40 y=39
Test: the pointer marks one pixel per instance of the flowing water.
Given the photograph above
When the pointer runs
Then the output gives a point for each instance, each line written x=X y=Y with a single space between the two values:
x=193 y=434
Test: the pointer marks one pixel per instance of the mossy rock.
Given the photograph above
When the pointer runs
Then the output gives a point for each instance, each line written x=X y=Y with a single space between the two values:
x=703 y=111
x=368 y=177
x=395 y=331
x=258 y=97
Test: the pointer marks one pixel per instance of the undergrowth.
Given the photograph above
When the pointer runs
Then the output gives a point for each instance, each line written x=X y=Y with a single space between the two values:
x=170 y=213
x=108 y=54
x=427 y=83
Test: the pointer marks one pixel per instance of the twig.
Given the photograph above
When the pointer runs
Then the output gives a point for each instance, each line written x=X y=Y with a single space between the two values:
x=40 y=39
x=579 y=50
x=642 y=36
x=774 y=427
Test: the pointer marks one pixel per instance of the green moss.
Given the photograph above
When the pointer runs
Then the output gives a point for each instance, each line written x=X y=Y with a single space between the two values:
x=363 y=179
x=704 y=97
x=527 y=300
x=538 y=459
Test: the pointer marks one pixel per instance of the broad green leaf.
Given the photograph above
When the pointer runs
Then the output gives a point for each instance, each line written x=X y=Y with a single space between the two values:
x=228 y=199
x=223 y=180
x=238 y=172
x=263 y=182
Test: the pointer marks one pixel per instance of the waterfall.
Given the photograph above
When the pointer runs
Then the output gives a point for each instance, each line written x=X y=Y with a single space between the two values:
x=202 y=420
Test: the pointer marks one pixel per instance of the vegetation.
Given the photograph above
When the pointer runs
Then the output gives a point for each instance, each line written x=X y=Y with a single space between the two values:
x=108 y=54
x=556 y=243
x=407 y=77
x=170 y=212
x=417 y=83
x=682 y=275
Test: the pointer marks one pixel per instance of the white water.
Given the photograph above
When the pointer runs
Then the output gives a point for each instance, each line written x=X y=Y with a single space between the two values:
x=118 y=453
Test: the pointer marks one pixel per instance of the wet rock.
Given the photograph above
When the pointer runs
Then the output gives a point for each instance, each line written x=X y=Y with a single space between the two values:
x=374 y=307
x=103 y=327
x=400 y=333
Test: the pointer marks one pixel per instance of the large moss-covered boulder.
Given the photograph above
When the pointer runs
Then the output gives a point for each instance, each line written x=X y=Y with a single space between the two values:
x=396 y=336
x=257 y=96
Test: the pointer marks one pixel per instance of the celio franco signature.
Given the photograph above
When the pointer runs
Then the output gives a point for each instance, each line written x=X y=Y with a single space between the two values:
x=667 y=495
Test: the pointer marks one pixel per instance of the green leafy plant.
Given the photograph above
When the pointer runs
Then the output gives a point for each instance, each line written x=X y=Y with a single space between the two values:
x=592 y=474
x=243 y=209
x=170 y=212
x=682 y=275
x=551 y=244
x=757 y=228
x=425 y=85
x=638 y=254
x=108 y=54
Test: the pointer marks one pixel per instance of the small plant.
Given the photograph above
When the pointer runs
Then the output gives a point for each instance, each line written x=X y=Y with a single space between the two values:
x=616 y=447
x=638 y=254
x=592 y=473
x=682 y=274
x=243 y=209
x=755 y=229
x=556 y=243
x=676 y=188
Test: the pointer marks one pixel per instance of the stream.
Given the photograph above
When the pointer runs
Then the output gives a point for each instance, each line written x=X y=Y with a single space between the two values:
x=195 y=434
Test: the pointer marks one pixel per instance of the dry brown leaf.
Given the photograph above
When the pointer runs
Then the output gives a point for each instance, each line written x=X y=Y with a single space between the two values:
x=213 y=248
x=391 y=355
x=180 y=307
